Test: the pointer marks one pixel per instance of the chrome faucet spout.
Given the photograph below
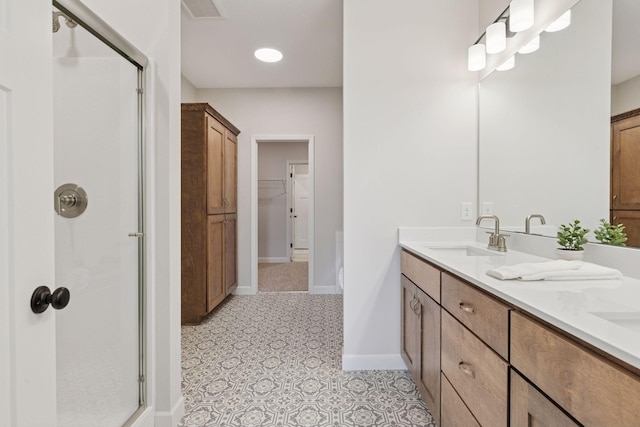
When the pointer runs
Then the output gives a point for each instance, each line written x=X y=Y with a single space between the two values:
x=493 y=217
x=527 y=222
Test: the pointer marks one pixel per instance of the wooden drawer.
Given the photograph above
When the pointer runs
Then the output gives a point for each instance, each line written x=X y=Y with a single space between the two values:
x=595 y=391
x=426 y=276
x=478 y=374
x=453 y=412
x=485 y=316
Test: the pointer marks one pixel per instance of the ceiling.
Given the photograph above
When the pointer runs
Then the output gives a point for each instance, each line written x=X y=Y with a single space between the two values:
x=218 y=53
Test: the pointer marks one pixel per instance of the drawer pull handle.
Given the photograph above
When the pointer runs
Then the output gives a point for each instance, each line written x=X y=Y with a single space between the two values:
x=466 y=369
x=411 y=304
x=466 y=308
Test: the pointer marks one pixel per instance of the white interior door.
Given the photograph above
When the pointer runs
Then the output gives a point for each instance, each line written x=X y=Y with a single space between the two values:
x=301 y=211
x=27 y=340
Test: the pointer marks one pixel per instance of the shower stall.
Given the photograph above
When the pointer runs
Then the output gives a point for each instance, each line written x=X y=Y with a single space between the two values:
x=99 y=152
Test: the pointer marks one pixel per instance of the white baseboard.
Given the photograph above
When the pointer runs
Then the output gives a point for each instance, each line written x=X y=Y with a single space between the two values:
x=273 y=260
x=243 y=290
x=324 y=290
x=373 y=362
x=170 y=418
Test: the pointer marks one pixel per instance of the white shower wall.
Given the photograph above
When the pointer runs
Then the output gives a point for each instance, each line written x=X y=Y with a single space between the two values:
x=95 y=125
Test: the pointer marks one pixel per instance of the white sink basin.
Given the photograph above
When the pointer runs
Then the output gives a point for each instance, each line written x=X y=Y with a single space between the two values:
x=626 y=319
x=464 y=251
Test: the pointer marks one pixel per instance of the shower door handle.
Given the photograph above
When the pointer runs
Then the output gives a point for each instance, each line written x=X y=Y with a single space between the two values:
x=42 y=298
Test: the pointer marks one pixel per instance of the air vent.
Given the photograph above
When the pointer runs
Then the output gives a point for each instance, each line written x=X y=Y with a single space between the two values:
x=204 y=9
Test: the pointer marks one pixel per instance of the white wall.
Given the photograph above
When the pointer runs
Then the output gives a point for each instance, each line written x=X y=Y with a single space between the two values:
x=158 y=36
x=188 y=92
x=625 y=96
x=410 y=109
x=296 y=111
x=272 y=196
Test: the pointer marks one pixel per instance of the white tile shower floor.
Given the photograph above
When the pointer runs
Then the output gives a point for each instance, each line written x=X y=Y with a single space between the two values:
x=275 y=360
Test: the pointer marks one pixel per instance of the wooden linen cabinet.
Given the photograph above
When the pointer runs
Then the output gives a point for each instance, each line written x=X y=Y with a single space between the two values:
x=209 y=210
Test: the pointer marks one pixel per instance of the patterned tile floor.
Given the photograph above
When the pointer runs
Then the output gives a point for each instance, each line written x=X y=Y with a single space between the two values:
x=275 y=360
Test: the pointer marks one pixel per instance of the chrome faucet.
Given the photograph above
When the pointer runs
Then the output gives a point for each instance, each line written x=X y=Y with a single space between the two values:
x=496 y=240
x=527 y=221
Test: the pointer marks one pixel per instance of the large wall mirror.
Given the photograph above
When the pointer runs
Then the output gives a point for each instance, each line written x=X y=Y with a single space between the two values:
x=544 y=126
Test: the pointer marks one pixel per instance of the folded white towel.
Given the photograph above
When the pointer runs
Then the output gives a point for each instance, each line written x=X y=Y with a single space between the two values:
x=507 y=272
x=588 y=271
x=555 y=270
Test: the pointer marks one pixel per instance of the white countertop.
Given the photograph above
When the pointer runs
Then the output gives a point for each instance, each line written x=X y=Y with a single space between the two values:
x=566 y=304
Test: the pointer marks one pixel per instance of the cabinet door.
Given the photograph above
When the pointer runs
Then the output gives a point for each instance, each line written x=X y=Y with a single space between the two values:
x=409 y=326
x=215 y=266
x=215 y=166
x=631 y=221
x=230 y=172
x=230 y=251
x=429 y=335
x=625 y=156
x=529 y=407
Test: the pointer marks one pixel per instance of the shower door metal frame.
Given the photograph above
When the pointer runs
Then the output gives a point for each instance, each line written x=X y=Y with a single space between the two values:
x=91 y=22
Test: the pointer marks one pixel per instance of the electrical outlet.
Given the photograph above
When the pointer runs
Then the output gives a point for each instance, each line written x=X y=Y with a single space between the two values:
x=466 y=213
x=487 y=208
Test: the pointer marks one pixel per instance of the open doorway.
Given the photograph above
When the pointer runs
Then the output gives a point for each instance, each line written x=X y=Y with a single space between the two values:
x=282 y=214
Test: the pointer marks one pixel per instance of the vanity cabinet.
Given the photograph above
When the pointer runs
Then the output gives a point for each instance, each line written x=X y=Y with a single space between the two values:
x=593 y=390
x=208 y=214
x=502 y=366
x=421 y=328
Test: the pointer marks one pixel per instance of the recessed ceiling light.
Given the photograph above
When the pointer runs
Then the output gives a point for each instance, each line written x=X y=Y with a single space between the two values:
x=266 y=54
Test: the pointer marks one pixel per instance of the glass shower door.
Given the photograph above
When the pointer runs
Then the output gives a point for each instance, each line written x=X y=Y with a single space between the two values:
x=96 y=148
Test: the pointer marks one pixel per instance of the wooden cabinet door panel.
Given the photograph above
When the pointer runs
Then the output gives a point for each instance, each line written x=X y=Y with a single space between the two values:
x=215 y=234
x=409 y=337
x=631 y=221
x=530 y=408
x=429 y=336
x=230 y=250
x=215 y=166
x=230 y=172
x=625 y=157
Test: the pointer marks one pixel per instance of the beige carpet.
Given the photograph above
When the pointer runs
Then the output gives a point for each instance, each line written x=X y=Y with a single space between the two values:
x=289 y=276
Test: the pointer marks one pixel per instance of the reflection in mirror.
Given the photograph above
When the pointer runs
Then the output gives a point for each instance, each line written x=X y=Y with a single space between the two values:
x=544 y=128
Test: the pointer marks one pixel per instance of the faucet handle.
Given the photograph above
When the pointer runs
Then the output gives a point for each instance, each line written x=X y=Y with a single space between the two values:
x=501 y=243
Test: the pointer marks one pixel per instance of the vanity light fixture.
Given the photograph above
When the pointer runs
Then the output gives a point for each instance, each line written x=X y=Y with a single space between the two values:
x=267 y=54
x=496 y=37
x=520 y=15
x=532 y=46
x=561 y=23
x=508 y=64
x=477 y=57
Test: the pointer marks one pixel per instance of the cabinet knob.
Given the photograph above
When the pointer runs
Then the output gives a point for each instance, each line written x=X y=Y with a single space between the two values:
x=615 y=196
x=466 y=369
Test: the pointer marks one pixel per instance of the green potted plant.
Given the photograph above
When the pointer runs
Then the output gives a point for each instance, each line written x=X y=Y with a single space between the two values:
x=610 y=234
x=571 y=239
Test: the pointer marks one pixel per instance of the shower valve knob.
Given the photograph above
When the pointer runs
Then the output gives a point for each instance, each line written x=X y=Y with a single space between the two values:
x=42 y=298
